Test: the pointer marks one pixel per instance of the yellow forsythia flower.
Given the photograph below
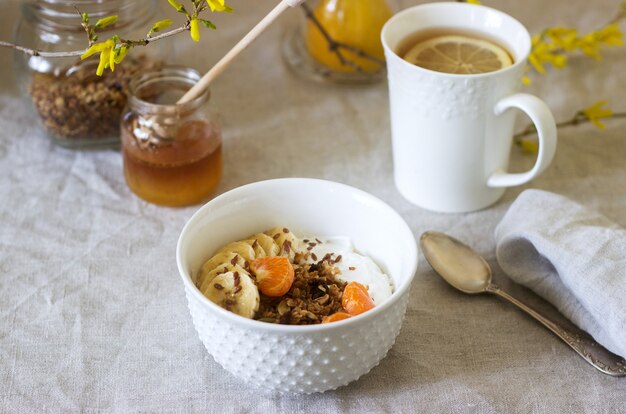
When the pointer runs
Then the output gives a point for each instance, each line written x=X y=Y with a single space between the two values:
x=529 y=145
x=104 y=62
x=120 y=54
x=112 y=60
x=195 y=29
x=551 y=46
x=472 y=1
x=595 y=112
x=105 y=21
x=218 y=5
x=96 y=48
x=106 y=55
x=543 y=53
x=160 y=25
x=610 y=35
x=589 y=46
x=563 y=37
x=179 y=7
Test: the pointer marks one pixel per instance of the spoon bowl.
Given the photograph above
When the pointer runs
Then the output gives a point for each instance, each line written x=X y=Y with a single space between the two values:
x=456 y=263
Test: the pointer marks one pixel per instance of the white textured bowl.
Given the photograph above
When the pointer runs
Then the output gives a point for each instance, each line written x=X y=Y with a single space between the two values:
x=302 y=359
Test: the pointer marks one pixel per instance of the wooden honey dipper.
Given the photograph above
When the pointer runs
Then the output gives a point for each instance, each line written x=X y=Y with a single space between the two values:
x=223 y=63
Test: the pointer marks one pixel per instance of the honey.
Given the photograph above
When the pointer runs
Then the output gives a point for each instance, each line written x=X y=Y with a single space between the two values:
x=183 y=173
x=172 y=152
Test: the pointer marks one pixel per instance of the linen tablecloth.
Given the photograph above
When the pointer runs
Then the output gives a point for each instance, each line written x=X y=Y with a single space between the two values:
x=93 y=316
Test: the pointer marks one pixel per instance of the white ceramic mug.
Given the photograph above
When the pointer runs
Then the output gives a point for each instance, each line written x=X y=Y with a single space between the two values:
x=451 y=133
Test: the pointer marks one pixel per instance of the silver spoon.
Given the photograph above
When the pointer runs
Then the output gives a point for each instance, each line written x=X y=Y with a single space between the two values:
x=467 y=271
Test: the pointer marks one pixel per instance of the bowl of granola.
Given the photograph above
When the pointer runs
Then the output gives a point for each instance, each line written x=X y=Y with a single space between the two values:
x=297 y=285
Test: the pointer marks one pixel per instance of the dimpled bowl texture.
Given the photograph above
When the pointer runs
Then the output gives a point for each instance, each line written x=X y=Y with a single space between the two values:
x=299 y=359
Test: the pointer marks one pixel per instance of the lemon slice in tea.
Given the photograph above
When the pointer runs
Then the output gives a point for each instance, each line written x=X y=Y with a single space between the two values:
x=459 y=54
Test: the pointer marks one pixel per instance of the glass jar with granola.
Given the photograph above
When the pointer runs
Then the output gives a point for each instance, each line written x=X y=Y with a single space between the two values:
x=172 y=152
x=76 y=107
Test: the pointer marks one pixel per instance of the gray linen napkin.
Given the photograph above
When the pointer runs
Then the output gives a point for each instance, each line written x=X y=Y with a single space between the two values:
x=571 y=256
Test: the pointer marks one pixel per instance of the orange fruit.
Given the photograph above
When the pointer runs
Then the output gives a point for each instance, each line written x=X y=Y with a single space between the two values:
x=337 y=316
x=274 y=275
x=356 y=299
x=356 y=23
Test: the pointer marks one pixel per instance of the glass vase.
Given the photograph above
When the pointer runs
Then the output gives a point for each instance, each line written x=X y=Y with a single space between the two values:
x=338 y=41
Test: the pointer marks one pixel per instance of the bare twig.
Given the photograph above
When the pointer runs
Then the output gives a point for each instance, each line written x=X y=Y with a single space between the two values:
x=620 y=15
x=34 y=52
x=140 y=42
x=337 y=47
x=86 y=26
x=146 y=40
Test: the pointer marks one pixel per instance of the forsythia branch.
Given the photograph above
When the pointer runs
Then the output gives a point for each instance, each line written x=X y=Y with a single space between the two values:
x=553 y=45
x=594 y=114
x=113 y=50
x=140 y=42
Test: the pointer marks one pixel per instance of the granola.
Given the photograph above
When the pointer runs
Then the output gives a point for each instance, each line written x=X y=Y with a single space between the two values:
x=315 y=294
x=274 y=277
x=82 y=105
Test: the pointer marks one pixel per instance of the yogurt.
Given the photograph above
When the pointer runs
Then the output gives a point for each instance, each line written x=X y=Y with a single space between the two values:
x=353 y=266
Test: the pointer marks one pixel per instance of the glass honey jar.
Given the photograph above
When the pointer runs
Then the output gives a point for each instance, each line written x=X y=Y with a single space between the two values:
x=172 y=152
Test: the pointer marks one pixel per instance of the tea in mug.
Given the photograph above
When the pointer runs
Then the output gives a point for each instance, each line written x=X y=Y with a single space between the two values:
x=454 y=51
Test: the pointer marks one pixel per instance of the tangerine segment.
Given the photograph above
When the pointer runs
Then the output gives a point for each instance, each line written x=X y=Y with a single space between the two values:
x=458 y=54
x=337 y=316
x=356 y=299
x=274 y=275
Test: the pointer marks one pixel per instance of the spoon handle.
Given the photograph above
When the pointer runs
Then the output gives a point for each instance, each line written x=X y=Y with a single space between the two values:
x=579 y=340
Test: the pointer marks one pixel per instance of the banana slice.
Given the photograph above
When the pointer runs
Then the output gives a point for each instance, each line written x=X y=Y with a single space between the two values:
x=267 y=243
x=241 y=248
x=258 y=250
x=224 y=268
x=219 y=259
x=287 y=242
x=235 y=292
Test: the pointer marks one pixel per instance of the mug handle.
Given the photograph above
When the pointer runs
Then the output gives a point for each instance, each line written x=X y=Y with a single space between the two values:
x=541 y=116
